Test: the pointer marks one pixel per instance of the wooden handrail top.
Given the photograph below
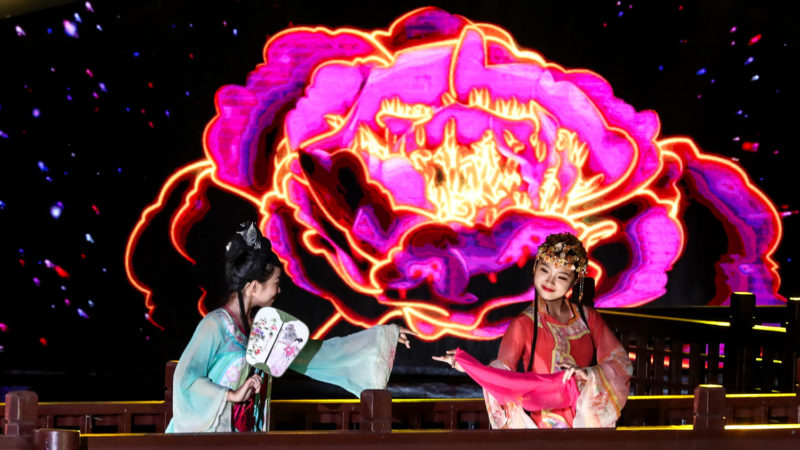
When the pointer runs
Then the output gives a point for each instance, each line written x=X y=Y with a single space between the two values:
x=111 y=402
x=97 y=406
x=772 y=426
x=667 y=318
x=135 y=406
x=323 y=401
x=436 y=400
x=634 y=398
x=765 y=313
x=713 y=323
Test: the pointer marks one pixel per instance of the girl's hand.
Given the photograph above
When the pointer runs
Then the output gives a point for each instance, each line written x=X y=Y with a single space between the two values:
x=449 y=358
x=252 y=384
x=569 y=371
x=403 y=338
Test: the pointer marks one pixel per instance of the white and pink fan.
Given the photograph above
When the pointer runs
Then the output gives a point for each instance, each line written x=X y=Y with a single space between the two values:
x=276 y=338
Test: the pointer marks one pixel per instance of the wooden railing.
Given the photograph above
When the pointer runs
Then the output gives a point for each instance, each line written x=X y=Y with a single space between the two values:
x=409 y=414
x=376 y=414
x=719 y=345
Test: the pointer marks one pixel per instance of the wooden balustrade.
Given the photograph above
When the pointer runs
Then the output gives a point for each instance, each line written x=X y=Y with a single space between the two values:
x=376 y=412
x=673 y=354
x=410 y=414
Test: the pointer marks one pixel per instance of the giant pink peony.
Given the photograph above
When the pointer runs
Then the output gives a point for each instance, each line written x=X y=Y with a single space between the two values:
x=432 y=157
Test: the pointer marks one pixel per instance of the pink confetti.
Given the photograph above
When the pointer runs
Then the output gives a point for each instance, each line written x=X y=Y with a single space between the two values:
x=58 y=269
x=70 y=28
x=750 y=146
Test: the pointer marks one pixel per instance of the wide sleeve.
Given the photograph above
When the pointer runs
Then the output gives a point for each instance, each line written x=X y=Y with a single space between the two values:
x=509 y=414
x=606 y=390
x=198 y=403
x=513 y=344
x=360 y=361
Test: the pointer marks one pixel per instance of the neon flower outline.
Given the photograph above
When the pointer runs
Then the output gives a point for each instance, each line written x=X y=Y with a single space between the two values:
x=418 y=158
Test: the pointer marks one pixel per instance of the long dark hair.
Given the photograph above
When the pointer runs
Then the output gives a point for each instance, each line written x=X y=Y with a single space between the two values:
x=248 y=257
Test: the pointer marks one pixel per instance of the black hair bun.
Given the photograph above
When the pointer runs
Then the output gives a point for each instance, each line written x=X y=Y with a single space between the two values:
x=247 y=255
x=235 y=247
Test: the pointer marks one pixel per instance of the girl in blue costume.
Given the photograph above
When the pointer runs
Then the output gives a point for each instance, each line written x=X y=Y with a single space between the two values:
x=213 y=388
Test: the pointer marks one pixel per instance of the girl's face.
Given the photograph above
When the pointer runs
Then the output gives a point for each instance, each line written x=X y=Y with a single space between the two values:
x=552 y=281
x=264 y=293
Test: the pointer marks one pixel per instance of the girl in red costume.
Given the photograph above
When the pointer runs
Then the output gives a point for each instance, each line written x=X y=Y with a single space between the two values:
x=577 y=374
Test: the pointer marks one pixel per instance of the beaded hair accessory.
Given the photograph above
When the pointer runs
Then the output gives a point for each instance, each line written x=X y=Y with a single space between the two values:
x=250 y=235
x=564 y=249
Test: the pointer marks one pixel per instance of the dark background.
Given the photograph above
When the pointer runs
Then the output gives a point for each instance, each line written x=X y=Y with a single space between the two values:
x=124 y=104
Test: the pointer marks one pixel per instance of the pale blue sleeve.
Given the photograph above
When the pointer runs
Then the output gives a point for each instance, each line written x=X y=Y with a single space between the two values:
x=360 y=361
x=198 y=403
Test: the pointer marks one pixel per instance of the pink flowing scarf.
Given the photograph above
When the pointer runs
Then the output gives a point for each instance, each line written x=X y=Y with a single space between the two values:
x=533 y=391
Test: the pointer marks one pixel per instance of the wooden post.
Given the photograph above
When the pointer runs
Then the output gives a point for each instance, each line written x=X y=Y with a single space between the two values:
x=169 y=372
x=48 y=439
x=738 y=364
x=709 y=407
x=793 y=332
x=21 y=413
x=20 y=418
x=376 y=411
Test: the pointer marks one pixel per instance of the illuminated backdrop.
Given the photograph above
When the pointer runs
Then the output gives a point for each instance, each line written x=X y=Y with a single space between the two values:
x=418 y=158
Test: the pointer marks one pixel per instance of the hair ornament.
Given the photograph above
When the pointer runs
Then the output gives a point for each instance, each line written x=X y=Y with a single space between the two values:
x=251 y=235
x=564 y=249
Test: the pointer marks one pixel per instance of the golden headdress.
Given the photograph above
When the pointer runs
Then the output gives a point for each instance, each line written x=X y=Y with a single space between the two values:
x=564 y=249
